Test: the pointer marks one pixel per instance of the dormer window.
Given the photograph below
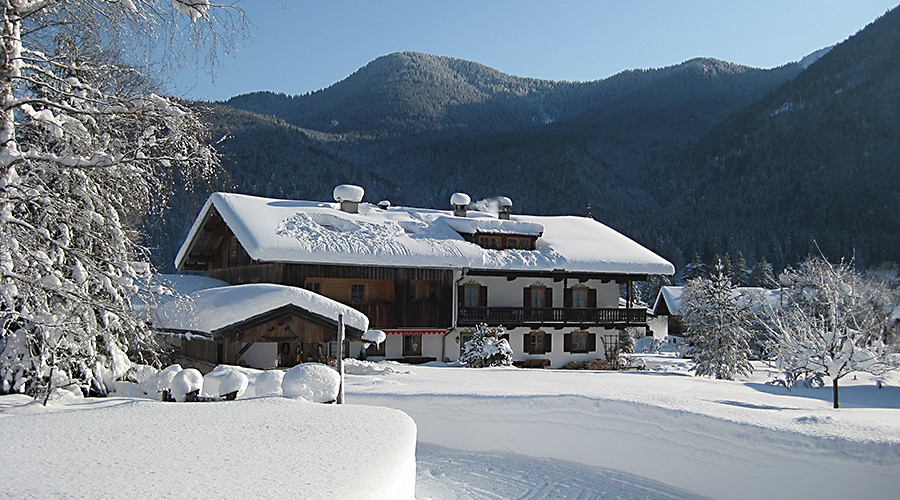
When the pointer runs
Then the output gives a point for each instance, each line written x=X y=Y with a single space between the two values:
x=505 y=241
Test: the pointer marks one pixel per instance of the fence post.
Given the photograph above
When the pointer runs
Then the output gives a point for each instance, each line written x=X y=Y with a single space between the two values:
x=340 y=359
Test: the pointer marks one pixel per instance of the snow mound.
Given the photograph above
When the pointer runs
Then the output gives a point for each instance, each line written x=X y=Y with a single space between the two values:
x=161 y=380
x=349 y=192
x=460 y=199
x=186 y=381
x=357 y=367
x=251 y=448
x=313 y=382
x=269 y=383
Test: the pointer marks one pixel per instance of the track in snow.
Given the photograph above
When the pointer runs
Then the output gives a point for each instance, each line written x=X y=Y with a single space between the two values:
x=444 y=473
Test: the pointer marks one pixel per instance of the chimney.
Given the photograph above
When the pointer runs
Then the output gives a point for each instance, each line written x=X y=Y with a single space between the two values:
x=349 y=197
x=460 y=202
x=505 y=207
x=384 y=204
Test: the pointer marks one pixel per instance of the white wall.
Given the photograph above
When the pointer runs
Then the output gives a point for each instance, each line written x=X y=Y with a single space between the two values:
x=505 y=293
x=261 y=355
x=557 y=356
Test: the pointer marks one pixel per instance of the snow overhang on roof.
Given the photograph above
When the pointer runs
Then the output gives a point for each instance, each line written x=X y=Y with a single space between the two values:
x=272 y=230
x=210 y=310
x=490 y=225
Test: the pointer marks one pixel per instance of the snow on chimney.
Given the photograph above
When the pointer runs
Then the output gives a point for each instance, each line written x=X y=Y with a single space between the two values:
x=349 y=197
x=384 y=204
x=505 y=207
x=460 y=202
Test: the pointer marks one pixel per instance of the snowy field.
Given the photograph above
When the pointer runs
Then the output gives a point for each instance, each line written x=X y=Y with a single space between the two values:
x=482 y=433
x=662 y=433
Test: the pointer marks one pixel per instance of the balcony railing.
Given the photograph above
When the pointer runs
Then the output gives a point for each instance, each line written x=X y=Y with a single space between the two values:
x=512 y=316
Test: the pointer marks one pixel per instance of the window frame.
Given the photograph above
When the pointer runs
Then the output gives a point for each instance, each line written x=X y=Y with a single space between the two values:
x=407 y=344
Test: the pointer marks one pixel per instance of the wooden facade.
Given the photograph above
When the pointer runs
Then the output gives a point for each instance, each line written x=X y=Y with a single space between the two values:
x=390 y=297
x=294 y=335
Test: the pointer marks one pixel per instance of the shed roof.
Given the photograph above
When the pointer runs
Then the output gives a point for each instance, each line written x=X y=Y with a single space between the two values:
x=210 y=310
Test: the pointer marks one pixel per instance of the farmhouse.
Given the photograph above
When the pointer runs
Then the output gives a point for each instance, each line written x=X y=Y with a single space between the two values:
x=426 y=277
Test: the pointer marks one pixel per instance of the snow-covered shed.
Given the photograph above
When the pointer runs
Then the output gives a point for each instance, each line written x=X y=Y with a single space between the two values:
x=256 y=325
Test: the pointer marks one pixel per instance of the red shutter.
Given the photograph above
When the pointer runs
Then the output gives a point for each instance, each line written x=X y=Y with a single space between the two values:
x=567 y=342
x=567 y=297
x=482 y=296
x=526 y=346
x=592 y=297
x=592 y=342
x=548 y=342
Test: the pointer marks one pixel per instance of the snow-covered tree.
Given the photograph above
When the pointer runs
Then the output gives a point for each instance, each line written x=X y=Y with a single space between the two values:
x=626 y=341
x=717 y=326
x=87 y=150
x=833 y=322
x=761 y=275
x=486 y=348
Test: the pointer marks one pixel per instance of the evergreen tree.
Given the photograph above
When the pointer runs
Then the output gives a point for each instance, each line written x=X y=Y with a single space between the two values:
x=626 y=342
x=740 y=274
x=695 y=269
x=486 y=348
x=717 y=326
x=761 y=275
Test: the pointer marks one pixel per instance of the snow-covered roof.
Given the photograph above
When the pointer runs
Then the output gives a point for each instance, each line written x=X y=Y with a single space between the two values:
x=210 y=310
x=273 y=230
x=672 y=296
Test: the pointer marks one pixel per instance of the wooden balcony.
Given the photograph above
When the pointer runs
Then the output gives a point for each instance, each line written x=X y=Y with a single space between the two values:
x=555 y=316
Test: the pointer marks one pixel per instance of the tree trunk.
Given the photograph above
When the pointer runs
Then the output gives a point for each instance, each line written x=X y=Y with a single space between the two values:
x=834 y=392
x=9 y=74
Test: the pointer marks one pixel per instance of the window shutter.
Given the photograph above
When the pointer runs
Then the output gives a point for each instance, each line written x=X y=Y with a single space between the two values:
x=526 y=297
x=461 y=296
x=567 y=342
x=526 y=346
x=567 y=297
x=548 y=297
x=548 y=342
x=592 y=297
x=592 y=342
x=505 y=336
x=482 y=296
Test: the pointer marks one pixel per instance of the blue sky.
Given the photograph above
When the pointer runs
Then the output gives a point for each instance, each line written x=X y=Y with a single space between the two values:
x=297 y=46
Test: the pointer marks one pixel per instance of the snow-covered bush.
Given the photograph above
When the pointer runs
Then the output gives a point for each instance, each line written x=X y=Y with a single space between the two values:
x=186 y=382
x=268 y=383
x=313 y=382
x=161 y=380
x=486 y=348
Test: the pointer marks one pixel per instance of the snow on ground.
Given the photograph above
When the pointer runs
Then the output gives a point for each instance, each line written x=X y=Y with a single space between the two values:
x=742 y=439
x=448 y=473
x=256 y=448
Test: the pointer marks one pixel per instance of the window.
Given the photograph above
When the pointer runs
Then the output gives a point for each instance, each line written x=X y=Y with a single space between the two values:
x=579 y=342
x=537 y=296
x=357 y=294
x=488 y=241
x=412 y=345
x=579 y=297
x=471 y=295
x=536 y=345
x=314 y=286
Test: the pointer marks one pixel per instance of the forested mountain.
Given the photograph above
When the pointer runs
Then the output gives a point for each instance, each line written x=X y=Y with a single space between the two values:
x=640 y=148
x=817 y=159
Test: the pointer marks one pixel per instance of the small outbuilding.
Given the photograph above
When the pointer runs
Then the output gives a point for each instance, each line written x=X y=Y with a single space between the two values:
x=257 y=325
